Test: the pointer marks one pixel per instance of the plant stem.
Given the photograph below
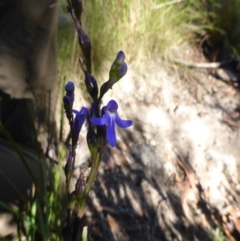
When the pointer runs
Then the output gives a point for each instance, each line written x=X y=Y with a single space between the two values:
x=95 y=160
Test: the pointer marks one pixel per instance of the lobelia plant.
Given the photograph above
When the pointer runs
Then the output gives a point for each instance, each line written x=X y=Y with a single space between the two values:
x=100 y=123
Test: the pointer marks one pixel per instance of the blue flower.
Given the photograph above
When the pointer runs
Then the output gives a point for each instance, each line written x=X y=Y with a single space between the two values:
x=69 y=87
x=78 y=121
x=109 y=119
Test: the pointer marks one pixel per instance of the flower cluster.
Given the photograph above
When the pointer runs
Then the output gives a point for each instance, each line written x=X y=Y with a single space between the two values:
x=108 y=119
x=100 y=122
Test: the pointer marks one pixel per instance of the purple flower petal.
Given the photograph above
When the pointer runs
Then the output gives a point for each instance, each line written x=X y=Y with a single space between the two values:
x=78 y=122
x=109 y=118
x=112 y=105
x=99 y=121
x=111 y=136
x=83 y=111
x=122 y=123
x=69 y=87
x=79 y=118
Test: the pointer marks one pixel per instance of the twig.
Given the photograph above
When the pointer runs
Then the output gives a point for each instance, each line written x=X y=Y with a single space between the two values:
x=162 y=5
x=213 y=65
x=230 y=122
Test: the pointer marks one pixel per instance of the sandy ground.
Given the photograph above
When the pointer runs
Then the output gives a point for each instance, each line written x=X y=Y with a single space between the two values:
x=174 y=173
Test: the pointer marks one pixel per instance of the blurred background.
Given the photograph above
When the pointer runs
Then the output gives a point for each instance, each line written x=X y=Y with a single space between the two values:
x=151 y=30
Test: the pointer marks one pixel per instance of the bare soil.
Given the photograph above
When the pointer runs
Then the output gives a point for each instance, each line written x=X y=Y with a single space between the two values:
x=174 y=175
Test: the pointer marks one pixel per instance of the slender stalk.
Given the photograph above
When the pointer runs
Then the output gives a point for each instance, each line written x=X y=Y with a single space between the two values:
x=94 y=170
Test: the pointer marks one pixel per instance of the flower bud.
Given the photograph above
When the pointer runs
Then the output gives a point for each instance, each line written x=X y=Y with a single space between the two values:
x=91 y=85
x=85 y=45
x=69 y=87
x=121 y=71
x=118 y=69
x=114 y=77
x=68 y=99
x=117 y=64
x=119 y=59
x=77 y=6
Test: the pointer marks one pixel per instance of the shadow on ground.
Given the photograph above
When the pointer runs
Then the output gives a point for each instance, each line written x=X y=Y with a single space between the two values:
x=131 y=199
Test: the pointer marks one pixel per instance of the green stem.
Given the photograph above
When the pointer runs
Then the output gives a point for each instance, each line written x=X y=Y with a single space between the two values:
x=95 y=160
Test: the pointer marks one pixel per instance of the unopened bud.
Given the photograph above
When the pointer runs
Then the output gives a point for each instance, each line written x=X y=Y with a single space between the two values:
x=91 y=85
x=115 y=76
x=121 y=71
x=117 y=64
x=119 y=59
x=86 y=47
x=68 y=99
x=69 y=87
